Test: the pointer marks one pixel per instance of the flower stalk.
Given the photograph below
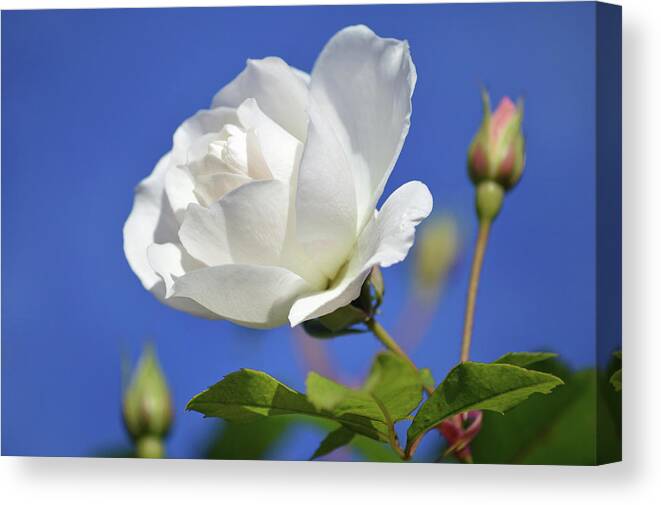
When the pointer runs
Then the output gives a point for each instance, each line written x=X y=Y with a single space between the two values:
x=476 y=269
x=388 y=342
x=496 y=159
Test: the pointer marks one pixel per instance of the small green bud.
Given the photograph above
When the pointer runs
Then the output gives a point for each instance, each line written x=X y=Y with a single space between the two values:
x=147 y=404
x=497 y=152
x=436 y=251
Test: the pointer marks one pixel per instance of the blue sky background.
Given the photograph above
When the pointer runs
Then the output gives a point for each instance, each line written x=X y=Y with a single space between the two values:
x=90 y=100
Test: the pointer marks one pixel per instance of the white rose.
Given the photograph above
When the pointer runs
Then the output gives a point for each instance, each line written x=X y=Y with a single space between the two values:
x=265 y=208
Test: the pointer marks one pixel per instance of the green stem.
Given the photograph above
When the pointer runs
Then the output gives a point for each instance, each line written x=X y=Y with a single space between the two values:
x=478 y=259
x=149 y=446
x=392 y=435
x=384 y=337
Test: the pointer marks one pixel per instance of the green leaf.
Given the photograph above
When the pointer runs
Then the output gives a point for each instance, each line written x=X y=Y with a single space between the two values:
x=524 y=359
x=391 y=392
x=529 y=432
x=396 y=384
x=248 y=395
x=557 y=429
x=334 y=440
x=478 y=386
x=330 y=396
x=616 y=380
x=391 y=381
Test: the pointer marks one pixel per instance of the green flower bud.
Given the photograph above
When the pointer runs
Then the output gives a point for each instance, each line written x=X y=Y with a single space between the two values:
x=147 y=406
x=497 y=152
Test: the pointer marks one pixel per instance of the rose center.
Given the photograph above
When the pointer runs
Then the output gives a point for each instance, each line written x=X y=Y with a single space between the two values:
x=221 y=163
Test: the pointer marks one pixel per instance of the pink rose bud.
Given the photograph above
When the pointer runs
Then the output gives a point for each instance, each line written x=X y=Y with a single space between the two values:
x=459 y=431
x=497 y=152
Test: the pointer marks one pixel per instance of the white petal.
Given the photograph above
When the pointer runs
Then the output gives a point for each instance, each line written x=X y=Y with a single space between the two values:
x=211 y=187
x=183 y=304
x=247 y=225
x=170 y=261
x=180 y=189
x=325 y=197
x=304 y=76
x=385 y=240
x=151 y=220
x=362 y=85
x=151 y=225
x=179 y=185
x=203 y=122
x=255 y=296
x=280 y=91
x=404 y=209
x=279 y=149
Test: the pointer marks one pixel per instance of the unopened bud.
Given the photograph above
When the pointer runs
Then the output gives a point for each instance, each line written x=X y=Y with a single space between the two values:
x=459 y=431
x=147 y=405
x=497 y=152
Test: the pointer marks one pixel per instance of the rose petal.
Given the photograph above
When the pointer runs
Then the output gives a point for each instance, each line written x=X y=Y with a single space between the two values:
x=279 y=149
x=404 y=209
x=247 y=225
x=362 y=85
x=211 y=187
x=171 y=261
x=255 y=296
x=203 y=122
x=385 y=240
x=179 y=185
x=151 y=220
x=325 y=197
x=280 y=91
x=360 y=105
